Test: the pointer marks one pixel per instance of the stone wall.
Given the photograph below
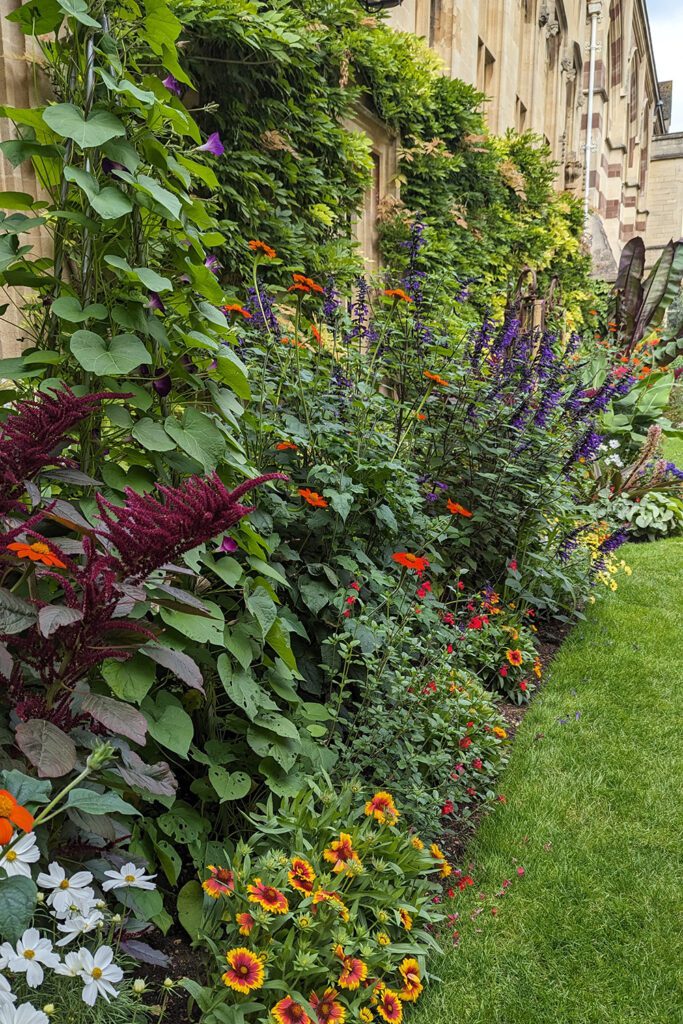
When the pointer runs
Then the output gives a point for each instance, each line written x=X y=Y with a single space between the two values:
x=665 y=192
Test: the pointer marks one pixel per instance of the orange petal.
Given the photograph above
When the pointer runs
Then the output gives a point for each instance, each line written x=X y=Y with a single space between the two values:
x=6 y=831
x=22 y=818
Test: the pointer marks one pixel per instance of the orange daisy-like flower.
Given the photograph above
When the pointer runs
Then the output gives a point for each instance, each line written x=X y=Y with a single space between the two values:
x=538 y=668
x=458 y=510
x=397 y=293
x=257 y=246
x=268 y=897
x=417 y=843
x=406 y=919
x=316 y=334
x=287 y=446
x=289 y=1012
x=382 y=808
x=341 y=853
x=234 y=307
x=389 y=1006
x=499 y=732
x=409 y=969
x=354 y=971
x=246 y=922
x=312 y=497
x=245 y=970
x=221 y=882
x=327 y=1009
x=410 y=561
x=12 y=813
x=37 y=552
x=514 y=657
x=307 y=283
x=437 y=379
x=325 y=896
x=302 y=875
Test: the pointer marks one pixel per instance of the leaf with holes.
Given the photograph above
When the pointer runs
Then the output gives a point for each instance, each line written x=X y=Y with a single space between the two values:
x=229 y=785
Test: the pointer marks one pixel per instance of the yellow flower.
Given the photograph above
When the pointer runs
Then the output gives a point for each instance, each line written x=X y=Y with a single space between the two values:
x=383 y=939
x=366 y=1015
x=497 y=731
x=406 y=919
x=417 y=843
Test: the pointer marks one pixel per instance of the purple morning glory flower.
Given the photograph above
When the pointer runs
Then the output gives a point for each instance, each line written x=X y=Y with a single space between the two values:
x=213 y=145
x=173 y=85
x=111 y=165
x=212 y=263
x=227 y=545
x=162 y=382
x=155 y=302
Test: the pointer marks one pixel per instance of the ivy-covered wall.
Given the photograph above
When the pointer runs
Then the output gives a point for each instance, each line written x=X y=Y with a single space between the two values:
x=279 y=78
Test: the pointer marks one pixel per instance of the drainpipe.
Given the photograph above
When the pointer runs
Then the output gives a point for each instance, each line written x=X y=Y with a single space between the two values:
x=594 y=11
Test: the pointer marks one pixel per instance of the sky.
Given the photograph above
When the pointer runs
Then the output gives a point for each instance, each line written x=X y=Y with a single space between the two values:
x=666 y=22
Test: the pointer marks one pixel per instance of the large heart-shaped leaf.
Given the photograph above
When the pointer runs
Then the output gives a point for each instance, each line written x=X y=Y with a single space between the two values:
x=152 y=436
x=191 y=907
x=199 y=436
x=129 y=680
x=108 y=357
x=202 y=629
x=67 y=307
x=168 y=723
x=68 y=121
x=78 y=9
x=229 y=785
x=51 y=752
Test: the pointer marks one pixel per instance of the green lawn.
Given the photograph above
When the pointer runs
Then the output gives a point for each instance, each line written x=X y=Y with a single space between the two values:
x=592 y=934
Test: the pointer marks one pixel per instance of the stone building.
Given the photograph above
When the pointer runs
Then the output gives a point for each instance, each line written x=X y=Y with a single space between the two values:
x=531 y=58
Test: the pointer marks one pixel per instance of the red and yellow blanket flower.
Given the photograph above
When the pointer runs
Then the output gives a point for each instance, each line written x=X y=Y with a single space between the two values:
x=302 y=875
x=37 y=552
x=397 y=293
x=312 y=497
x=514 y=657
x=354 y=971
x=382 y=808
x=409 y=969
x=389 y=1006
x=325 y=896
x=366 y=1015
x=410 y=561
x=437 y=854
x=458 y=510
x=327 y=1008
x=256 y=246
x=341 y=853
x=268 y=897
x=499 y=732
x=289 y=1012
x=246 y=922
x=12 y=814
x=406 y=918
x=221 y=882
x=245 y=971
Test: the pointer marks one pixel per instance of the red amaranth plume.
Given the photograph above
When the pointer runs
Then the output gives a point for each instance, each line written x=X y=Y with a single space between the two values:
x=32 y=432
x=148 y=533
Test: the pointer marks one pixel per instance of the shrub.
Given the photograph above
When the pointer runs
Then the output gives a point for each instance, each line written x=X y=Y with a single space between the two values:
x=328 y=900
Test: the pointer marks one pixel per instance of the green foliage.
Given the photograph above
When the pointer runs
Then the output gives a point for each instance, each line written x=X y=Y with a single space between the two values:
x=656 y=514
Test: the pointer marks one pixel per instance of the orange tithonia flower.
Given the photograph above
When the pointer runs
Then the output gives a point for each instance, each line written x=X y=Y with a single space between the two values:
x=409 y=970
x=234 y=307
x=327 y=1008
x=221 y=883
x=406 y=919
x=437 y=379
x=307 y=283
x=245 y=970
x=246 y=922
x=312 y=497
x=458 y=510
x=325 y=896
x=289 y=1012
x=37 y=552
x=397 y=293
x=353 y=972
x=389 y=1006
x=12 y=813
x=257 y=246
x=316 y=334
x=286 y=446
x=382 y=808
x=341 y=853
x=410 y=561
x=268 y=897
x=514 y=657
x=302 y=875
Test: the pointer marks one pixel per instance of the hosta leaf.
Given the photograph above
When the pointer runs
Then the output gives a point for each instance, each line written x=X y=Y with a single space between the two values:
x=50 y=751
x=68 y=121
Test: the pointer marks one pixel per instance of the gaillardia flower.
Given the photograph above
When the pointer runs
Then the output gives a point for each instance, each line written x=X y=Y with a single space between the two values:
x=514 y=657
x=268 y=897
x=382 y=808
x=354 y=971
x=406 y=918
x=389 y=1006
x=246 y=922
x=289 y=1012
x=409 y=970
x=221 y=882
x=326 y=1007
x=341 y=853
x=302 y=875
x=245 y=970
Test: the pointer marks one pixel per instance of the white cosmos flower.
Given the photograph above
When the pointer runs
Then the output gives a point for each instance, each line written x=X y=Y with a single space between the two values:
x=99 y=974
x=7 y=997
x=65 y=891
x=129 y=877
x=72 y=965
x=26 y=1014
x=31 y=953
x=24 y=852
x=78 y=925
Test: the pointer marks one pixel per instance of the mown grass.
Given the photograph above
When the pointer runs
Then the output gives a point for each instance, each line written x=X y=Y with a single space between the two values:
x=592 y=933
